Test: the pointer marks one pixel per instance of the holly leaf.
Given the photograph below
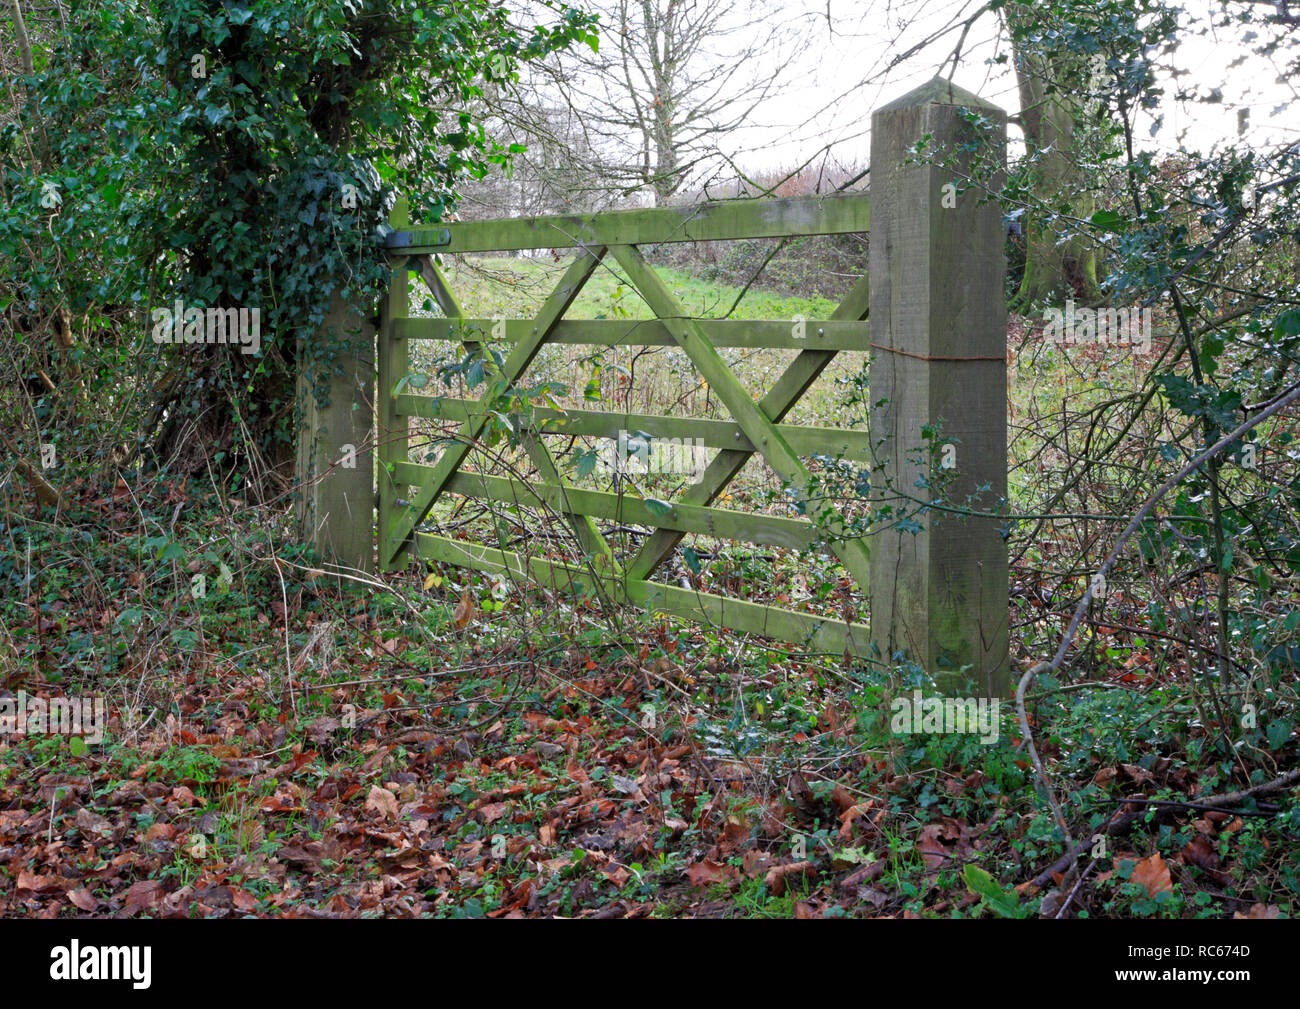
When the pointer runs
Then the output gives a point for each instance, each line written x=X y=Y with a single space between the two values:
x=1108 y=219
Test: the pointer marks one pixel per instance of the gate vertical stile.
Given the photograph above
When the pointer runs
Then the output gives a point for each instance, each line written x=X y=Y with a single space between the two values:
x=394 y=429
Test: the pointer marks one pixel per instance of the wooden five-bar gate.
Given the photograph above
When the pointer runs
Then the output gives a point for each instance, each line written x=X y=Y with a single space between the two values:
x=614 y=239
x=938 y=594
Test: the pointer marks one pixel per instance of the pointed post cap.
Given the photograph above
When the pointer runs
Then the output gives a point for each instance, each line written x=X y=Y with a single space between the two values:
x=939 y=91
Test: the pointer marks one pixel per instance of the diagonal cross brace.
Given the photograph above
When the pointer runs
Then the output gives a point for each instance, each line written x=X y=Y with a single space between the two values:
x=584 y=526
x=404 y=523
x=755 y=421
x=780 y=399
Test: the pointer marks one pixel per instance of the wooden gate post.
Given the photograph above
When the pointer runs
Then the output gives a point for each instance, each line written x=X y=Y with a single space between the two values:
x=393 y=359
x=335 y=467
x=938 y=345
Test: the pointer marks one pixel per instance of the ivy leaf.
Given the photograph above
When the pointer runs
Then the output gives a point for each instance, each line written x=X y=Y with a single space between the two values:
x=1278 y=732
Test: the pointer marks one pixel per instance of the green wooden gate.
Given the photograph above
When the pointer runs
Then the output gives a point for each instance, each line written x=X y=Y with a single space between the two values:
x=408 y=490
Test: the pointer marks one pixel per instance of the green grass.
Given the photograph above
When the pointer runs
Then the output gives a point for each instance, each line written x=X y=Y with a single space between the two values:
x=516 y=287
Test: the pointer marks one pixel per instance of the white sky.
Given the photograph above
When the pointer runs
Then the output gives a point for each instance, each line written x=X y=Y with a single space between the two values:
x=838 y=77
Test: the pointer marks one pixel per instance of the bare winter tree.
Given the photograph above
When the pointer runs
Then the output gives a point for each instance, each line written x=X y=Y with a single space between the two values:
x=671 y=81
x=554 y=173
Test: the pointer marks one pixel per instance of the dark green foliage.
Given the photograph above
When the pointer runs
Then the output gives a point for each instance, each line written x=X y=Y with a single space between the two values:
x=244 y=155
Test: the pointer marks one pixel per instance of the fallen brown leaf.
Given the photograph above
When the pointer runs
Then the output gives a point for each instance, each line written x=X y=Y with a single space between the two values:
x=144 y=895
x=931 y=848
x=1153 y=874
x=779 y=877
x=464 y=610
x=707 y=872
x=1200 y=852
x=1259 y=911
x=383 y=802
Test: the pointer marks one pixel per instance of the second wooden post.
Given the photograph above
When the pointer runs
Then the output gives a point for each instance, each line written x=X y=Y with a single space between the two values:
x=939 y=389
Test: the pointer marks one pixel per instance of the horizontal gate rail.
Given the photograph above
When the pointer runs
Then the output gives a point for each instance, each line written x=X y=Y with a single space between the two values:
x=823 y=634
x=836 y=214
x=835 y=442
x=825 y=334
x=721 y=523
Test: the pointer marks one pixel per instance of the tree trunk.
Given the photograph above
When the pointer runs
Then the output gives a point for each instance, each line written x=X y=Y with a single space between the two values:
x=1059 y=261
x=25 y=57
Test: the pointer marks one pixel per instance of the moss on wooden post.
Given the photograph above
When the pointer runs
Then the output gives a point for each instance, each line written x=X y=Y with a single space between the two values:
x=335 y=460
x=939 y=388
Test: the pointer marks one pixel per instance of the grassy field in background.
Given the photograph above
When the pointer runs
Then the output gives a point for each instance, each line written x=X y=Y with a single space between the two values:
x=517 y=286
